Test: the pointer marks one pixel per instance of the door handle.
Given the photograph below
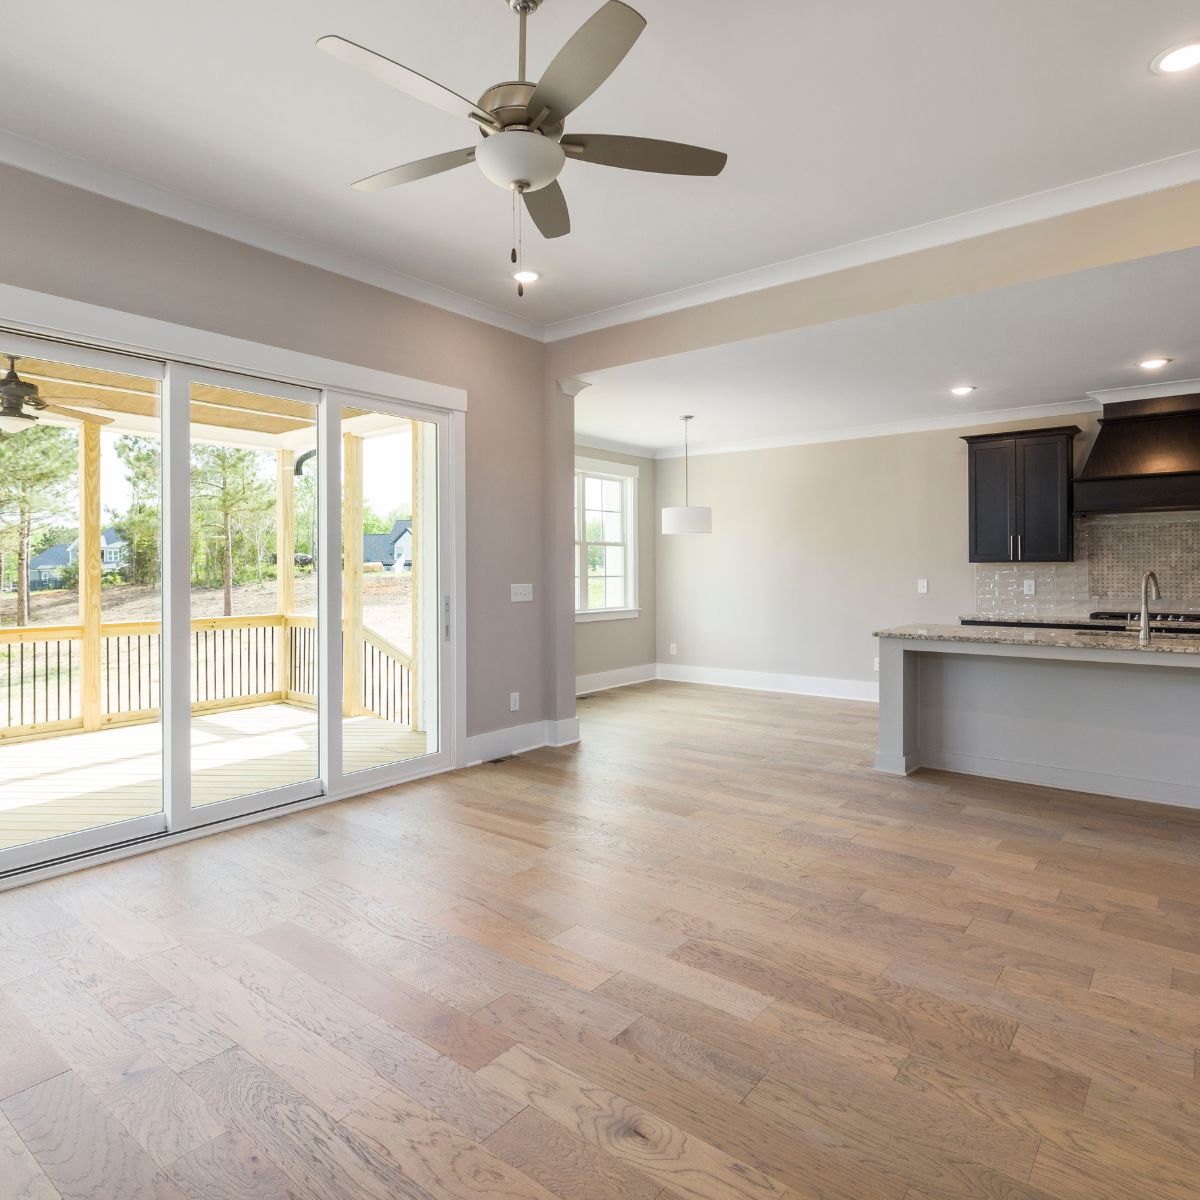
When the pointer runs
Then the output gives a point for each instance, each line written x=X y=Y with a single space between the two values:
x=1020 y=555
x=1011 y=557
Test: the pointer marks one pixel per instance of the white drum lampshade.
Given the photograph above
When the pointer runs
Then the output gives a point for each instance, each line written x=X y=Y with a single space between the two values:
x=686 y=518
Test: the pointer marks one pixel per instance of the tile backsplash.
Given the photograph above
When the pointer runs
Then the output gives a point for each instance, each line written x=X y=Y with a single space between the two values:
x=1110 y=555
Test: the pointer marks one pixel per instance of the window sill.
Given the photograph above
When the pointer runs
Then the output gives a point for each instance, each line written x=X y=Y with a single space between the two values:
x=608 y=614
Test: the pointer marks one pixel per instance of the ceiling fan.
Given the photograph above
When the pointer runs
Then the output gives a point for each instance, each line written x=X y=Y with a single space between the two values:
x=17 y=396
x=525 y=144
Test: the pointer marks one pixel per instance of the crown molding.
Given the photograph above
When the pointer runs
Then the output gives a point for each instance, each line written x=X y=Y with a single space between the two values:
x=1146 y=391
x=1024 y=210
x=927 y=425
x=82 y=173
x=614 y=447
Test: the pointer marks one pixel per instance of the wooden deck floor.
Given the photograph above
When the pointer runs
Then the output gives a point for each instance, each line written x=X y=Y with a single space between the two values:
x=706 y=954
x=84 y=780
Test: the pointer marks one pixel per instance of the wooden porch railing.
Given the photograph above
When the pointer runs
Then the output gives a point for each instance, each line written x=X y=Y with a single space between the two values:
x=236 y=661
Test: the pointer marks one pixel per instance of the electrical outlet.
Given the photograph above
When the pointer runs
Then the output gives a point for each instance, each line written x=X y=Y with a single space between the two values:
x=521 y=593
x=514 y=701
x=922 y=586
x=1030 y=587
x=674 y=648
x=877 y=664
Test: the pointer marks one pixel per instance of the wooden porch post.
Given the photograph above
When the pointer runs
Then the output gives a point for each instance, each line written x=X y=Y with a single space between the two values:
x=285 y=564
x=352 y=574
x=89 y=574
x=414 y=591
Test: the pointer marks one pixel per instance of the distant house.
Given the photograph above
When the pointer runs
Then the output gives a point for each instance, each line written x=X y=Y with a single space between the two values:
x=46 y=568
x=393 y=550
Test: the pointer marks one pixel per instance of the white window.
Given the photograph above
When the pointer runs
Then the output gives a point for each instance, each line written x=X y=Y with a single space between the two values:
x=605 y=540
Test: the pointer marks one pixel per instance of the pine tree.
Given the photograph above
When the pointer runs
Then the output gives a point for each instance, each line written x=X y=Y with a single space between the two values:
x=38 y=479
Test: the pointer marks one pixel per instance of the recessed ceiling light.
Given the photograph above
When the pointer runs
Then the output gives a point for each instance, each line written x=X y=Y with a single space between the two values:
x=1180 y=58
x=963 y=389
x=1153 y=364
x=526 y=276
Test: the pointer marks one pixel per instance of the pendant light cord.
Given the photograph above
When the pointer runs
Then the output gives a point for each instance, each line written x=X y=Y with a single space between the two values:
x=685 y=460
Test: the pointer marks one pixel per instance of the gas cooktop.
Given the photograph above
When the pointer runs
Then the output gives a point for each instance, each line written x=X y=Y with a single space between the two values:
x=1155 y=618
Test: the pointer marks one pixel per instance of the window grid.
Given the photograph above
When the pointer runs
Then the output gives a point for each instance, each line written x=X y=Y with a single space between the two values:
x=601 y=542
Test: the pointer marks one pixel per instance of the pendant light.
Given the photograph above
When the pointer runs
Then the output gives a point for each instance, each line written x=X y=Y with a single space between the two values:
x=689 y=518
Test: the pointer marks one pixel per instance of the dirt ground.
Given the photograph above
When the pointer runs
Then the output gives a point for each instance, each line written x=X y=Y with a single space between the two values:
x=386 y=604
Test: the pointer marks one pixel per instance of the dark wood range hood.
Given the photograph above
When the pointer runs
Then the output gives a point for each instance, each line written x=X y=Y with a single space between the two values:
x=1146 y=458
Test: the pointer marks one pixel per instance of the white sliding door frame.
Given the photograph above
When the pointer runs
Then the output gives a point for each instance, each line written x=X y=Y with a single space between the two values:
x=177 y=616
x=339 y=782
x=178 y=355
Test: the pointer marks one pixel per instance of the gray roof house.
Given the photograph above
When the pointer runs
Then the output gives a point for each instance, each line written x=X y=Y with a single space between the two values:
x=393 y=549
x=46 y=568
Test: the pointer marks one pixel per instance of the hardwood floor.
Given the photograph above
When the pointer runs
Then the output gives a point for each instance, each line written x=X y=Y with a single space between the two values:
x=708 y=953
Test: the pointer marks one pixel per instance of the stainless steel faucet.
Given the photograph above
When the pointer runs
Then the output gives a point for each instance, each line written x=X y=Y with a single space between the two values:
x=1149 y=580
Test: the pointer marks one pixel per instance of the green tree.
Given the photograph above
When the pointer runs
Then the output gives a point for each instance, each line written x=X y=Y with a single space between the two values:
x=228 y=491
x=38 y=469
x=54 y=535
x=140 y=524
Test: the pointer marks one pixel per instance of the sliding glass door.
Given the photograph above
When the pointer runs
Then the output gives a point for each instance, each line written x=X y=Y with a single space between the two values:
x=81 y=756
x=253 y=565
x=219 y=594
x=391 y=581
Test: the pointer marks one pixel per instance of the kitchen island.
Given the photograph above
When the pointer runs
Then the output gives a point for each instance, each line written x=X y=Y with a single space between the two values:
x=1088 y=711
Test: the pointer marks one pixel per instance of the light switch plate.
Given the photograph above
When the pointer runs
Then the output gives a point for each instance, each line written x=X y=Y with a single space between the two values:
x=514 y=701
x=522 y=593
x=922 y=586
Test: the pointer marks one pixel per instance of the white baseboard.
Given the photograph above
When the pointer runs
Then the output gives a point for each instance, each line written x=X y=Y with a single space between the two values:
x=517 y=739
x=769 y=681
x=897 y=764
x=601 y=681
x=1068 y=779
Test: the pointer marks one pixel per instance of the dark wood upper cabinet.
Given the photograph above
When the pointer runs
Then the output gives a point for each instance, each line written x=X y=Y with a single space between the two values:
x=1019 y=487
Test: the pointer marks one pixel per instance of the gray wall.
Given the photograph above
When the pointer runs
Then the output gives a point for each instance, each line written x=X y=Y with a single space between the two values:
x=815 y=547
x=76 y=244
x=609 y=645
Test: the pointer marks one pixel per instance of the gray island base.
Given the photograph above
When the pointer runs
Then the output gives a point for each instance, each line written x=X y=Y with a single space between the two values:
x=1085 y=711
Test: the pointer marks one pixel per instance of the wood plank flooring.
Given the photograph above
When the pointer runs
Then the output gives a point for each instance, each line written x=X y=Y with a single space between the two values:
x=53 y=786
x=707 y=953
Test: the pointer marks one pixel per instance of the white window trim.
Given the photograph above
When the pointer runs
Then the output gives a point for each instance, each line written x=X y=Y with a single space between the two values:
x=627 y=474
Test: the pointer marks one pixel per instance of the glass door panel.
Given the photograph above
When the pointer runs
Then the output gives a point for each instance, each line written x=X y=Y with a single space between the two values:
x=390 y=588
x=253 y=583
x=81 y=754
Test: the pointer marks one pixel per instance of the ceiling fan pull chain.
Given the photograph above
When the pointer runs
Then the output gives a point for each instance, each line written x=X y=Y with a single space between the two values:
x=513 y=256
x=519 y=250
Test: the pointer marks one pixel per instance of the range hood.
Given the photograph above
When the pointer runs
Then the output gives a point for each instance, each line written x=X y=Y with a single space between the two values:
x=1146 y=458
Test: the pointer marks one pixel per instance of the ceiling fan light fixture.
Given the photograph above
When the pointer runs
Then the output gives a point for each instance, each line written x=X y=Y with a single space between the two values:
x=963 y=389
x=520 y=159
x=1153 y=364
x=15 y=422
x=527 y=276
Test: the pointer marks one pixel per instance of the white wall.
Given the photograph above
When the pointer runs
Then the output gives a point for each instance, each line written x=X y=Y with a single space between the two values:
x=813 y=549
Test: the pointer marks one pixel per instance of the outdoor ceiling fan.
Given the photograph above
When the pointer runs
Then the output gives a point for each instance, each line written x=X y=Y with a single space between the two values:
x=17 y=396
x=524 y=143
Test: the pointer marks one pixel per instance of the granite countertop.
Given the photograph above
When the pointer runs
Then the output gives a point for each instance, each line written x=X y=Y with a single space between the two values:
x=1080 y=639
x=1067 y=618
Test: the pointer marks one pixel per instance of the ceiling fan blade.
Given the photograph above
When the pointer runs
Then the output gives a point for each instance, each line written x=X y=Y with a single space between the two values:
x=644 y=154
x=421 y=169
x=77 y=415
x=405 y=80
x=592 y=53
x=548 y=208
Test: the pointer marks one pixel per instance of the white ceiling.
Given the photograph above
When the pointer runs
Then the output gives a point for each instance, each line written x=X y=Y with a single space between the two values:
x=1023 y=347
x=844 y=119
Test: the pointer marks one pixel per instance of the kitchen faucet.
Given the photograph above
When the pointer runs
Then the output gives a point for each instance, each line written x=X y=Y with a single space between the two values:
x=1148 y=580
